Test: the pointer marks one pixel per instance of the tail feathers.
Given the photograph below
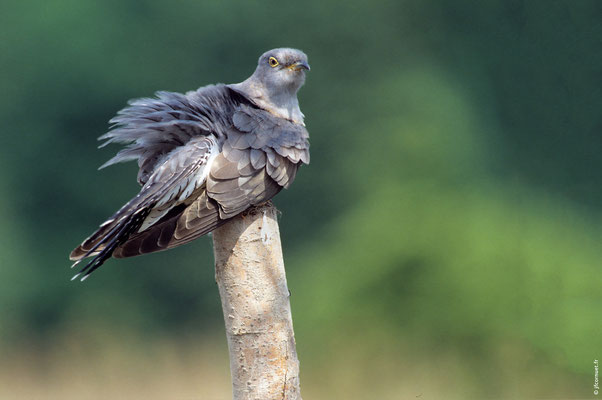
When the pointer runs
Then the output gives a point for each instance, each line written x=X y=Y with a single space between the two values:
x=103 y=243
x=180 y=225
x=94 y=244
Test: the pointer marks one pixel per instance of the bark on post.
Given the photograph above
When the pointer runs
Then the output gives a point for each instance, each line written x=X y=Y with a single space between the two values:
x=249 y=270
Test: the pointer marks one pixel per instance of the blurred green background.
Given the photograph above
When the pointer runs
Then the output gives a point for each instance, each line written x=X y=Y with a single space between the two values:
x=445 y=241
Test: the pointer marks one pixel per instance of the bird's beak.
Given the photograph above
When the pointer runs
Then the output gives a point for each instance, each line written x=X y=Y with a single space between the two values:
x=299 y=65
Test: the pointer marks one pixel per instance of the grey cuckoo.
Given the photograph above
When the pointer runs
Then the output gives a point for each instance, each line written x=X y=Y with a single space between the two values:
x=204 y=157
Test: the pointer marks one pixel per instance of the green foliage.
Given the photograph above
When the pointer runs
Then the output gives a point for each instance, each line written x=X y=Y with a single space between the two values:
x=436 y=250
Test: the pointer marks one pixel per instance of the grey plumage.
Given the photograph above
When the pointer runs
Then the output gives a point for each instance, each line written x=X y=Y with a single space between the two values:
x=204 y=157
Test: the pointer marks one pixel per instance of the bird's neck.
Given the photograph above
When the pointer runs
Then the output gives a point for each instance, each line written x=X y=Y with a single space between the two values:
x=283 y=104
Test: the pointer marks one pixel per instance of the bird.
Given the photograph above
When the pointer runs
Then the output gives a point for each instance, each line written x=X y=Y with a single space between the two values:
x=204 y=157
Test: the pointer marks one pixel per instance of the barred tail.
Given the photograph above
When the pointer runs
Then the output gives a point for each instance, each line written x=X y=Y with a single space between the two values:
x=106 y=239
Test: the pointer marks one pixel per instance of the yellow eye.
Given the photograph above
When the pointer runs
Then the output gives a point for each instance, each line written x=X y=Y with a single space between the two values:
x=273 y=62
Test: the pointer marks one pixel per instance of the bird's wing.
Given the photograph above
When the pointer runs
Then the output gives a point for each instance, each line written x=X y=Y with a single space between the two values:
x=259 y=157
x=153 y=127
x=183 y=224
x=232 y=186
x=171 y=186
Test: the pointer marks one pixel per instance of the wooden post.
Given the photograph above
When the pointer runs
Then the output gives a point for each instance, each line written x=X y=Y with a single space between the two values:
x=249 y=270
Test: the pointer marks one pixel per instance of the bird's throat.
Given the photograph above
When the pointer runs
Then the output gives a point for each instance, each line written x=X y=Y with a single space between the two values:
x=282 y=104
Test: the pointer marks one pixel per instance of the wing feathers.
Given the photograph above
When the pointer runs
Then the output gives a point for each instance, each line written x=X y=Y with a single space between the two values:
x=187 y=224
x=169 y=186
x=257 y=158
x=154 y=127
x=204 y=157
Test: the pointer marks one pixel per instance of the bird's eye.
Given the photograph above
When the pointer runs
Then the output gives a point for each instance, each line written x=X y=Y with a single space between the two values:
x=273 y=62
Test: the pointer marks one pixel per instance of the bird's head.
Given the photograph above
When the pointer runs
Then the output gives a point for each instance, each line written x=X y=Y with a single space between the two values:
x=282 y=70
x=274 y=84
